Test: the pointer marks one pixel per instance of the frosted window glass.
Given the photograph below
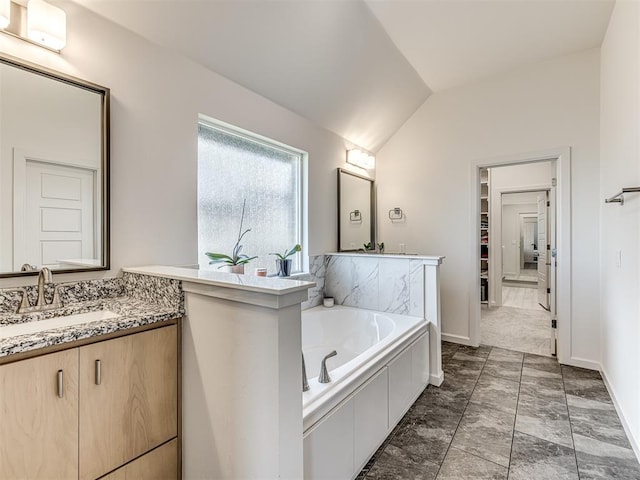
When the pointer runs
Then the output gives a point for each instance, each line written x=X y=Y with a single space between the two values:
x=232 y=168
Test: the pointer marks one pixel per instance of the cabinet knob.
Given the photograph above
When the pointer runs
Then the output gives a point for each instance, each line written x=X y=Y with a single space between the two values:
x=60 y=384
x=98 y=372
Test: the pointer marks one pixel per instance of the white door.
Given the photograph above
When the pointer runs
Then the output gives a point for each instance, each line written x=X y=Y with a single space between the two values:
x=59 y=215
x=544 y=254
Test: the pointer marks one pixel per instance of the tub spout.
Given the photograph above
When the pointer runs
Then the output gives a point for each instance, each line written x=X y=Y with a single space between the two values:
x=324 y=373
x=305 y=382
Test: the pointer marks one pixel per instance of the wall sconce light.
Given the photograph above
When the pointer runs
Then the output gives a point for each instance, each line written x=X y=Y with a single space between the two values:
x=5 y=13
x=39 y=23
x=361 y=159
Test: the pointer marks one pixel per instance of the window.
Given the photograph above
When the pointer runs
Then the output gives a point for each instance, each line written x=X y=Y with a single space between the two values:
x=234 y=166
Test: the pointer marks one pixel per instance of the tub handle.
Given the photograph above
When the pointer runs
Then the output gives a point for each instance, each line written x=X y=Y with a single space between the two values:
x=305 y=382
x=324 y=373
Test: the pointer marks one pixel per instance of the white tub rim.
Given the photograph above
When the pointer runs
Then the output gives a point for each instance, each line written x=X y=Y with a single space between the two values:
x=316 y=406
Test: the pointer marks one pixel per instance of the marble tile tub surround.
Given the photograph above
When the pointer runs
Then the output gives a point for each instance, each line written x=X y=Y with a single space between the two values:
x=137 y=299
x=502 y=414
x=393 y=284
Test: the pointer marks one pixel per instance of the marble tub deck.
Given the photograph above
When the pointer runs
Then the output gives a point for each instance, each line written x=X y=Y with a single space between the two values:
x=502 y=414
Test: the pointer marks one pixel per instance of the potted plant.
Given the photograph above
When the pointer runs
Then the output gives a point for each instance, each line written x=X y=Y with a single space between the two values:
x=236 y=262
x=283 y=262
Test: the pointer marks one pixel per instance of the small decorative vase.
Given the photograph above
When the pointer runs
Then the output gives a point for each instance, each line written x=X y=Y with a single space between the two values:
x=284 y=267
x=237 y=269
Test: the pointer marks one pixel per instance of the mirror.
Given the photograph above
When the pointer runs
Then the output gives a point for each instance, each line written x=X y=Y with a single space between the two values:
x=355 y=211
x=54 y=177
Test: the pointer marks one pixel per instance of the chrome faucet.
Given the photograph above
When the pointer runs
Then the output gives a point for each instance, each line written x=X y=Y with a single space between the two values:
x=45 y=276
x=305 y=382
x=324 y=373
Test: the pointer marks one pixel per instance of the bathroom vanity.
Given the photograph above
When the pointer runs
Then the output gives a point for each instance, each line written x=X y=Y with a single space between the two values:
x=92 y=390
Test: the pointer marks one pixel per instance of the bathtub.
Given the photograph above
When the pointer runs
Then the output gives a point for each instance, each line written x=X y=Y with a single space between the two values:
x=381 y=367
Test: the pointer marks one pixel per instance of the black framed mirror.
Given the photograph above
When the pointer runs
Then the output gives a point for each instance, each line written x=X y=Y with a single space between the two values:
x=54 y=171
x=356 y=211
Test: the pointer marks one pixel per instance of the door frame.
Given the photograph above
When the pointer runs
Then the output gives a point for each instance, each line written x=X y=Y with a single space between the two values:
x=562 y=157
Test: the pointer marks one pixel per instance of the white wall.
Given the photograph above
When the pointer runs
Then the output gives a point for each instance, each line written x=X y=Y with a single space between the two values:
x=620 y=226
x=156 y=99
x=426 y=170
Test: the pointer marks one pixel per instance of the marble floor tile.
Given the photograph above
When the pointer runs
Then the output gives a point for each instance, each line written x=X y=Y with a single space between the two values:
x=503 y=369
x=543 y=387
x=395 y=464
x=592 y=389
x=600 y=460
x=540 y=362
x=448 y=350
x=534 y=458
x=580 y=373
x=498 y=393
x=482 y=419
x=485 y=432
x=597 y=420
x=482 y=351
x=460 y=465
x=454 y=400
x=503 y=355
x=532 y=372
x=545 y=419
x=463 y=355
x=419 y=441
x=433 y=416
x=458 y=367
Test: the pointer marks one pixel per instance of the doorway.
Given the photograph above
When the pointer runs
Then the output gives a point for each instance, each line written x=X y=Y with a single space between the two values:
x=517 y=312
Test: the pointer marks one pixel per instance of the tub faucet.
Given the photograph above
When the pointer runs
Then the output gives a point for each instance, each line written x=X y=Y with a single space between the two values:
x=305 y=382
x=44 y=277
x=324 y=373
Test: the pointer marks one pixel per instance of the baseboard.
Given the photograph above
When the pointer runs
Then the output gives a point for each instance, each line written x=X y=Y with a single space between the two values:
x=448 y=337
x=635 y=444
x=583 y=363
x=436 y=380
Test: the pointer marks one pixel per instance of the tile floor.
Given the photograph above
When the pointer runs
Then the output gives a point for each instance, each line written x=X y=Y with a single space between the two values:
x=502 y=414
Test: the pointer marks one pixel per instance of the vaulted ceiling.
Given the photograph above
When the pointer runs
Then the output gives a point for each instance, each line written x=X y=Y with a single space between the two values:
x=361 y=69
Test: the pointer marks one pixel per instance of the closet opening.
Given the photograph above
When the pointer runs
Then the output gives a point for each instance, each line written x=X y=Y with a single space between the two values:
x=523 y=223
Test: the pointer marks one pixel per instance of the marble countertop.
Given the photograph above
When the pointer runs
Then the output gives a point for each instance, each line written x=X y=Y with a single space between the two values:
x=132 y=313
x=252 y=283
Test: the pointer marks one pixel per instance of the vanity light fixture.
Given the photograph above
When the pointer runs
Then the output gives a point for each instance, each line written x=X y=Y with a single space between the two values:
x=360 y=158
x=5 y=13
x=39 y=23
x=46 y=24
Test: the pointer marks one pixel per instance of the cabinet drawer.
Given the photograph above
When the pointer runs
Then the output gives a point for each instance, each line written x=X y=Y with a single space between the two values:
x=159 y=464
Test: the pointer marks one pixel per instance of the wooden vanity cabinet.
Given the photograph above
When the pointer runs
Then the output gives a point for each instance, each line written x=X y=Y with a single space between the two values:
x=39 y=417
x=159 y=464
x=109 y=407
x=128 y=399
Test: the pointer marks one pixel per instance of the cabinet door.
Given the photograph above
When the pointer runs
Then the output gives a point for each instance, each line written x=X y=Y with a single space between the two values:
x=371 y=417
x=328 y=448
x=39 y=417
x=159 y=464
x=129 y=402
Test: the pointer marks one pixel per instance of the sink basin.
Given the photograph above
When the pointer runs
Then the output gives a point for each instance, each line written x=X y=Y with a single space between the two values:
x=55 y=322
